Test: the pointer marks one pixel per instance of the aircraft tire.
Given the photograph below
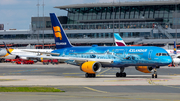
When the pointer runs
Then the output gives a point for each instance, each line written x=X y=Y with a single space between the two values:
x=123 y=74
x=155 y=75
x=117 y=74
x=120 y=74
x=86 y=75
x=152 y=75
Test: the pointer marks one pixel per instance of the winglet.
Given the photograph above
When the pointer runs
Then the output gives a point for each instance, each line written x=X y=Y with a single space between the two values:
x=60 y=37
x=7 y=48
x=118 y=40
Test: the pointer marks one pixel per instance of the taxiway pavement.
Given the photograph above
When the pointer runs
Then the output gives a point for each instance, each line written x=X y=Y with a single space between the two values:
x=136 y=86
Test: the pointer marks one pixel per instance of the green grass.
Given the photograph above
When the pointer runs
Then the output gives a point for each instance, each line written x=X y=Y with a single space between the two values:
x=29 y=89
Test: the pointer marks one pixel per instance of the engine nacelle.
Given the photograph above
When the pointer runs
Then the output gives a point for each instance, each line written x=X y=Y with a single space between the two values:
x=91 y=67
x=176 y=60
x=24 y=58
x=144 y=69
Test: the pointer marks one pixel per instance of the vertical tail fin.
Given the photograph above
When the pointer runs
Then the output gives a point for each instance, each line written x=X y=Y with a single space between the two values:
x=118 y=40
x=60 y=37
x=175 y=47
x=7 y=48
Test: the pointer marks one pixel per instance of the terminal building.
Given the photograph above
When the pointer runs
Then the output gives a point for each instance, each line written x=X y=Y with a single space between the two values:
x=153 y=22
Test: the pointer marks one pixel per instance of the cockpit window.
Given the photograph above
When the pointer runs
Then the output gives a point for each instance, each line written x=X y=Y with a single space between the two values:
x=162 y=54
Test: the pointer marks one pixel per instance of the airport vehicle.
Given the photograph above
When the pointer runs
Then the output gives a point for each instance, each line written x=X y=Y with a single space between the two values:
x=22 y=61
x=53 y=61
x=92 y=58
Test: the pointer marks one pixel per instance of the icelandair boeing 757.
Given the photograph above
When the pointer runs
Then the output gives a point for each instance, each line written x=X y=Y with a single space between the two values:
x=92 y=58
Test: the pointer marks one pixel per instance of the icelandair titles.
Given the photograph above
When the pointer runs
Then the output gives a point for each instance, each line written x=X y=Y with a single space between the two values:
x=60 y=43
x=138 y=50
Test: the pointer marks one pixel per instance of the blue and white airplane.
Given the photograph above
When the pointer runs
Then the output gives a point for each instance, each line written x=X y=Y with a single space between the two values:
x=92 y=58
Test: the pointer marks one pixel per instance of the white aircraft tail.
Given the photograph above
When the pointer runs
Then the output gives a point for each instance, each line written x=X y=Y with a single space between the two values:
x=118 y=40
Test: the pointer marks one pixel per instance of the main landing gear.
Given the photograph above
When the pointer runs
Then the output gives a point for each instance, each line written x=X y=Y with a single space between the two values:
x=121 y=74
x=154 y=75
x=90 y=75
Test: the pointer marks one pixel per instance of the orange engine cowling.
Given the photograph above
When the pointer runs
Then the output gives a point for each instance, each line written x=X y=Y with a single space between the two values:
x=144 y=69
x=91 y=67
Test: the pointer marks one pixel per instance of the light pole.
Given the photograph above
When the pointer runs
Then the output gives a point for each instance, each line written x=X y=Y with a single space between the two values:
x=176 y=18
x=113 y=25
x=38 y=25
x=43 y=24
x=119 y=16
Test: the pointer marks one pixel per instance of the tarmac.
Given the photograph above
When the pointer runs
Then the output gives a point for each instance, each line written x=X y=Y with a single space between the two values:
x=136 y=86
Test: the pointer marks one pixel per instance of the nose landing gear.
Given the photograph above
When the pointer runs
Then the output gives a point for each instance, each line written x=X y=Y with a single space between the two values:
x=154 y=75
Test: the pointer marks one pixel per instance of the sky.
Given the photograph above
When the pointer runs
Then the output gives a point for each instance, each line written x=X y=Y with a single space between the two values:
x=16 y=14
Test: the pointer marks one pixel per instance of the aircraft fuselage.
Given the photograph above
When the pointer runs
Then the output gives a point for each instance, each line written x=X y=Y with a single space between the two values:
x=121 y=56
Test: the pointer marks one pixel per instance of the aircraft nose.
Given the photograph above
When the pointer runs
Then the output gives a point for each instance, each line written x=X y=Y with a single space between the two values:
x=2 y=52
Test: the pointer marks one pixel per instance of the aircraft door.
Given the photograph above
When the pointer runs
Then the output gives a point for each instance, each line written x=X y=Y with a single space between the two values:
x=149 y=54
x=125 y=53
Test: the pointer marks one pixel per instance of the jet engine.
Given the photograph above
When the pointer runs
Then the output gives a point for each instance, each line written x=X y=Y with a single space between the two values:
x=176 y=60
x=144 y=69
x=91 y=67
x=25 y=58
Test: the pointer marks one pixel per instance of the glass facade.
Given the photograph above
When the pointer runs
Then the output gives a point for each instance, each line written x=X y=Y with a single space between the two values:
x=75 y=36
x=125 y=25
x=124 y=12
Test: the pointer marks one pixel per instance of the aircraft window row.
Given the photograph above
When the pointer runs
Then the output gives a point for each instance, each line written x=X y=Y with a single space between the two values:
x=119 y=53
x=162 y=54
x=135 y=53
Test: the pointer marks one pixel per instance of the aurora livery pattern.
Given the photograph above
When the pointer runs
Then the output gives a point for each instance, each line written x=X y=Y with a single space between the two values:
x=92 y=58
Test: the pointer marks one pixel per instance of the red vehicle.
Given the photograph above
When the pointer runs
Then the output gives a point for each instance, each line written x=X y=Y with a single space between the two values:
x=8 y=60
x=21 y=61
x=46 y=62
x=54 y=61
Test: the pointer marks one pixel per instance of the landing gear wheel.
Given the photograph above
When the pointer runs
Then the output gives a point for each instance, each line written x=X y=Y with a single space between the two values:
x=117 y=74
x=90 y=75
x=123 y=74
x=154 y=75
x=120 y=74
x=86 y=75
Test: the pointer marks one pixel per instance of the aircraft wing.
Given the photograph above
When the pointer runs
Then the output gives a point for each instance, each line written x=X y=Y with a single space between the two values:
x=77 y=60
x=42 y=52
